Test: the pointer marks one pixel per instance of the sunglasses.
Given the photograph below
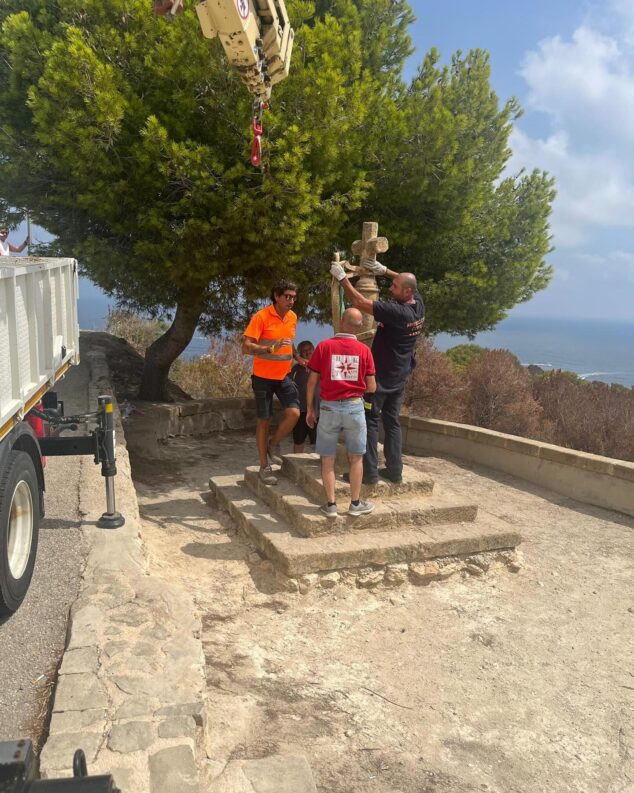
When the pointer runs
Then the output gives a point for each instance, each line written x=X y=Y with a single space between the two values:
x=290 y=297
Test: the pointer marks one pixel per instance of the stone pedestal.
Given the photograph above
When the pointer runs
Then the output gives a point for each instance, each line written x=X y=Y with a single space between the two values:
x=412 y=524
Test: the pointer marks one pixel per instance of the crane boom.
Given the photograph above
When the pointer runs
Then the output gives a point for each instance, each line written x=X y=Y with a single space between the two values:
x=256 y=36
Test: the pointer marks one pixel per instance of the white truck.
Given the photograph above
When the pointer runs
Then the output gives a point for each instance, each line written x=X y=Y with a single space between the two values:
x=39 y=341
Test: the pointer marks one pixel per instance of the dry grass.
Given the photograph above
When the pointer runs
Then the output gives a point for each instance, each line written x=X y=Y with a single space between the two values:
x=137 y=331
x=44 y=687
x=222 y=372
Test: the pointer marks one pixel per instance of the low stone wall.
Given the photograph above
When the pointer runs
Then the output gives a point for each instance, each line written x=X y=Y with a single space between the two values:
x=590 y=478
x=201 y=416
x=151 y=424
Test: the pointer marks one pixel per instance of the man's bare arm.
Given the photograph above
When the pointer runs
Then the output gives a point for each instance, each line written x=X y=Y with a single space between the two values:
x=370 y=384
x=18 y=249
x=251 y=347
x=356 y=298
x=311 y=385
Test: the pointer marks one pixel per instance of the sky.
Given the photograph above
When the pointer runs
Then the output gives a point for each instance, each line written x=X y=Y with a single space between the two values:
x=571 y=66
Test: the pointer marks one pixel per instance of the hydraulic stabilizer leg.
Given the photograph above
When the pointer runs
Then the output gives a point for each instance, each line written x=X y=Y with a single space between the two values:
x=111 y=519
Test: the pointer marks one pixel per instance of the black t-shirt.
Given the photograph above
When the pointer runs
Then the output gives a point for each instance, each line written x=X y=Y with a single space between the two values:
x=399 y=325
x=299 y=375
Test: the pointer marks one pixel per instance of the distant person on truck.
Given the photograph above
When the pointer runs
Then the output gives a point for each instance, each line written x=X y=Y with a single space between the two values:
x=269 y=339
x=344 y=368
x=6 y=248
x=299 y=375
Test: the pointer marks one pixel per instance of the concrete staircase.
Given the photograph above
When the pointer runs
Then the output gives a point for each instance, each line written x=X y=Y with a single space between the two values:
x=412 y=521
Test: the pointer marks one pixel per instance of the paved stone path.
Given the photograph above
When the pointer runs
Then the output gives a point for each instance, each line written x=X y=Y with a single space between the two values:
x=130 y=687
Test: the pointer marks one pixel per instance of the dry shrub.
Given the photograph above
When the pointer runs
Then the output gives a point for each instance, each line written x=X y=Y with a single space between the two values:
x=591 y=417
x=435 y=390
x=499 y=395
x=137 y=331
x=222 y=372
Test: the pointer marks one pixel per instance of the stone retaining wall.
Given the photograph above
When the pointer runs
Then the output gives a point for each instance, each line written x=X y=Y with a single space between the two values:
x=154 y=423
x=590 y=478
x=202 y=416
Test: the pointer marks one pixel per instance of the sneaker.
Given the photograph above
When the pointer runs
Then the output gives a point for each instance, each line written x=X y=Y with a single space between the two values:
x=362 y=508
x=275 y=453
x=329 y=510
x=267 y=476
x=385 y=474
x=367 y=480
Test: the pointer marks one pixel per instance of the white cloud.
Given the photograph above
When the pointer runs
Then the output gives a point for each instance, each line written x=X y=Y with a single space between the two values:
x=585 y=85
x=624 y=17
x=593 y=189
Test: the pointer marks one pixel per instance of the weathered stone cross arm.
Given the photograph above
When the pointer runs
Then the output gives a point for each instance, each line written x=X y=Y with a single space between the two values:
x=370 y=243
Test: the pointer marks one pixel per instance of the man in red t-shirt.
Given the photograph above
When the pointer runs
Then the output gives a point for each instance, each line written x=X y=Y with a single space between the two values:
x=344 y=368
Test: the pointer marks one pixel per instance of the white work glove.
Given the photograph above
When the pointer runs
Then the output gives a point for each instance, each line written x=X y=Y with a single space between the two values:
x=337 y=271
x=374 y=267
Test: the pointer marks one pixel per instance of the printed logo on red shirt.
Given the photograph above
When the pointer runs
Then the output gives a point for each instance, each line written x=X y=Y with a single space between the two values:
x=344 y=367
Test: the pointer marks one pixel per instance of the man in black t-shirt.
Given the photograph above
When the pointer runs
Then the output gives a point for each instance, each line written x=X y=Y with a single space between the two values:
x=400 y=322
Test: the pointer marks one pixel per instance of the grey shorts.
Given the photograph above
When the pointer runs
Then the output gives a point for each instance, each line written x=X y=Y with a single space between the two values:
x=335 y=417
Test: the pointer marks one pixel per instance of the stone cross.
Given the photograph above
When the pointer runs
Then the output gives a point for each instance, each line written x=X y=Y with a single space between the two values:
x=366 y=248
x=370 y=243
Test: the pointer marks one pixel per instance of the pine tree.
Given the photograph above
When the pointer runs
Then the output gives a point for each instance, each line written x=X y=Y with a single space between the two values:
x=128 y=139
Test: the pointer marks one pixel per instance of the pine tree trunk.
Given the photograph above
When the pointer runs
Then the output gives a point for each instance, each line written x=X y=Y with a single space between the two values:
x=162 y=353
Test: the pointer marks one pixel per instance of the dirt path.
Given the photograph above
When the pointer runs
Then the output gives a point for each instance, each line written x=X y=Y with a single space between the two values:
x=502 y=683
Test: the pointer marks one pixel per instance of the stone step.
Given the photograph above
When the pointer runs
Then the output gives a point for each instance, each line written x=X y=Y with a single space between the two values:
x=301 y=510
x=305 y=469
x=294 y=554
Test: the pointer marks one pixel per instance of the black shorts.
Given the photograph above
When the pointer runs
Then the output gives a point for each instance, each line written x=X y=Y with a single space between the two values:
x=263 y=388
x=301 y=431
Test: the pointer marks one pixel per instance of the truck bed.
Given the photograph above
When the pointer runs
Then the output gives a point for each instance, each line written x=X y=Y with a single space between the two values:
x=39 y=332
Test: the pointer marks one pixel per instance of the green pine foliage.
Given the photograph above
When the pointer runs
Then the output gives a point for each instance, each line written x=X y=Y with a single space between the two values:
x=128 y=139
x=462 y=355
x=476 y=239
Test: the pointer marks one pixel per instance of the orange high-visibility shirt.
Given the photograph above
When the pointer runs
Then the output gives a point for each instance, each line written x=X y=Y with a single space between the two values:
x=265 y=327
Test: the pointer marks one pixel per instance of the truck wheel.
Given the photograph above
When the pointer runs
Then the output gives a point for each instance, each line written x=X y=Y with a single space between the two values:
x=19 y=529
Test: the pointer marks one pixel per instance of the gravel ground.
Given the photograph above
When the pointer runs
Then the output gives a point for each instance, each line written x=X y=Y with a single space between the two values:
x=32 y=640
x=506 y=683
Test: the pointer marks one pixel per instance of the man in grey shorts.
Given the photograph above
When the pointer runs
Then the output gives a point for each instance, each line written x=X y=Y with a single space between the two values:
x=344 y=368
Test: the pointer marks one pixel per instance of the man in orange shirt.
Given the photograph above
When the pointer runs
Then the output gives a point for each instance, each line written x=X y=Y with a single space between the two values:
x=269 y=339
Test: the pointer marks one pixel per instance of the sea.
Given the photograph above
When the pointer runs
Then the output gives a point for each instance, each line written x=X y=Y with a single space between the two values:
x=596 y=349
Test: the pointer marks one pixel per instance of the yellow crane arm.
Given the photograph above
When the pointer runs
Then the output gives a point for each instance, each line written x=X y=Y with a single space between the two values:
x=256 y=35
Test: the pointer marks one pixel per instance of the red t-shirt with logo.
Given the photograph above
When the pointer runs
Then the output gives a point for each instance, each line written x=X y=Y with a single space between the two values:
x=342 y=364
